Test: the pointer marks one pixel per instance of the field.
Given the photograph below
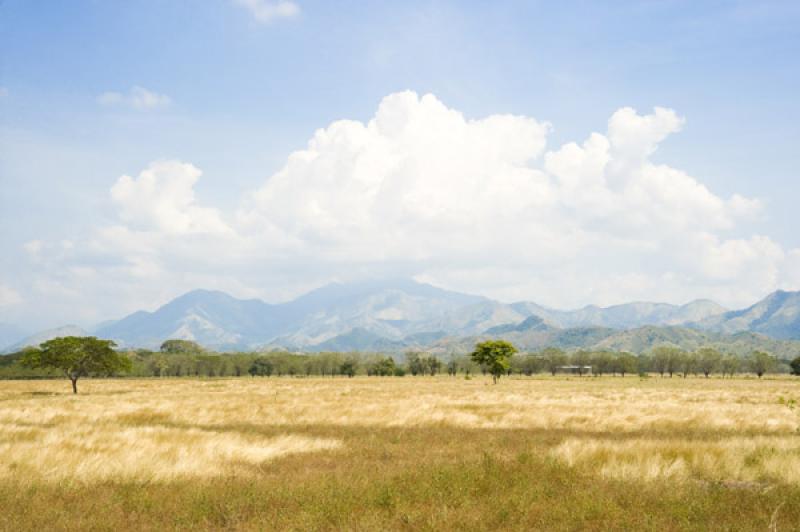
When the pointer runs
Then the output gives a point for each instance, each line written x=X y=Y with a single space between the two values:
x=401 y=453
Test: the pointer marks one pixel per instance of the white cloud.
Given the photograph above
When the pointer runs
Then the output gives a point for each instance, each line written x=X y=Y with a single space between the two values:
x=137 y=98
x=477 y=205
x=265 y=11
x=162 y=198
x=3 y=92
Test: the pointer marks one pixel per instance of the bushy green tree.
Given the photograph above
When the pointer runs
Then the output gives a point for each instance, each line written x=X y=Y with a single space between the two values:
x=77 y=357
x=495 y=356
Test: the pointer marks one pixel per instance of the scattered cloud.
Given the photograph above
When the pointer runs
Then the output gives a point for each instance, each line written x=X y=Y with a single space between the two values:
x=266 y=11
x=137 y=98
x=481 y=205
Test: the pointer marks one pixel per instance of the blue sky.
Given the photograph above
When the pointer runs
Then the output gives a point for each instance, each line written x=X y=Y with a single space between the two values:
x=236 y=88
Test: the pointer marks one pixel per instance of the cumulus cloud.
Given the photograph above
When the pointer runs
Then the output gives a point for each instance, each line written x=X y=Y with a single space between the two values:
x=162 y=198
x=480 y=205
x=137 y=98
x=265 y=11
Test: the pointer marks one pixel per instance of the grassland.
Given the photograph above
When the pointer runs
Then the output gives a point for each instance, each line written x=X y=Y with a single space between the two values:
x=401 y=453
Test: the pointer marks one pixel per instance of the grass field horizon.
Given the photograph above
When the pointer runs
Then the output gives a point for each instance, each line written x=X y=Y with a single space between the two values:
x=417 y=453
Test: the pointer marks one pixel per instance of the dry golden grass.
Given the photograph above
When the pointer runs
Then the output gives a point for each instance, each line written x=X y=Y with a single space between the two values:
x=383 y=452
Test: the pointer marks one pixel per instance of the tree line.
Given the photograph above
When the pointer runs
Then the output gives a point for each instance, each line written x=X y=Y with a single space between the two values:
x=76 y=357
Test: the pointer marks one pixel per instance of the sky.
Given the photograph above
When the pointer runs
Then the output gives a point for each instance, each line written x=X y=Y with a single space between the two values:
x=566 y=153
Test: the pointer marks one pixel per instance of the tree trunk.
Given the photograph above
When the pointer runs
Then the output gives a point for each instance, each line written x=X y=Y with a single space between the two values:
x=494 y=378
x=74 y=384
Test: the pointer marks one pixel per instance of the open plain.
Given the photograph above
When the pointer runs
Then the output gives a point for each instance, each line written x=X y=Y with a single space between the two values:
x=417 y=453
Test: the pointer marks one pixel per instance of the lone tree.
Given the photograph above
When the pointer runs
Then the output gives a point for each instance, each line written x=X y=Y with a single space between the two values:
x=77 y=357
x=495 y=356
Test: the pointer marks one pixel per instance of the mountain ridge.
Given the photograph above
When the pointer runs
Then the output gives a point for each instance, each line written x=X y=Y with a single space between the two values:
x=403 y=313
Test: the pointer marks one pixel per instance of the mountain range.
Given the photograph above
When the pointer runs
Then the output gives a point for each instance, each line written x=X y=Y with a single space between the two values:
x=401 y=314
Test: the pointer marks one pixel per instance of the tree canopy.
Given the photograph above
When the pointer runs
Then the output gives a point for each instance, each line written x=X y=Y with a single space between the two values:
x=181 y=346
x=77 y=357
x=495 y=356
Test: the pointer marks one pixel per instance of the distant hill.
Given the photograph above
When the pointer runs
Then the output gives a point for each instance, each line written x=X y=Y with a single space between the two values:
x=639 y=340
x=777 y=315
x=208 y=317
x=359 y=340
x=43 y=336
x=401 y=314
x=624 y=316
x=531 y=323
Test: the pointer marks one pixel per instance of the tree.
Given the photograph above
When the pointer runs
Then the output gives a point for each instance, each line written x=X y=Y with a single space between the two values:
x=452 y=365
x=761 y=362
x=495 y=356
x=667 y=358
x=416 y=363
x=181 y=346
x=795 y=365
x=627 y=363
x=687 y=362
x=708 y=360
x=602 y=362
x=581 y=359
x=349 y=367
x=433 y=365
x=730 y=365
x=383 y=367
x=77 y=357
x=553 y=358
x=526 y=364
x=160 y=365
x=261 y=367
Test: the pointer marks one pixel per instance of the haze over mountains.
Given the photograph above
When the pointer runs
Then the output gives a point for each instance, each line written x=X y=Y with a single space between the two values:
x=403 y=314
